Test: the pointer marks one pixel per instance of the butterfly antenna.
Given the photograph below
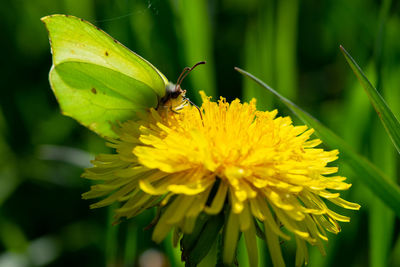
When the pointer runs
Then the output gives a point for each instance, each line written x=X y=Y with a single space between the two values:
x=186 y=71
x=179 y=81
x=183 y=75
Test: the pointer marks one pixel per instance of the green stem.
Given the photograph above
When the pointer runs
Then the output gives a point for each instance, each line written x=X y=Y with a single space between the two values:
x=111 y=239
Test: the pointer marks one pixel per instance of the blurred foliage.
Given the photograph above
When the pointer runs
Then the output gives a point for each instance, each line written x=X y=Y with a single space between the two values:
x=292 y=45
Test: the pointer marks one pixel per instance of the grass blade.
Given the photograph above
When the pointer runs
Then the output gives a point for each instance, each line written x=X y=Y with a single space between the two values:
x=286 y=46
x=259 y=55
x=387 y=117
x=368 y=173
x=381 y=219
x=197 y=41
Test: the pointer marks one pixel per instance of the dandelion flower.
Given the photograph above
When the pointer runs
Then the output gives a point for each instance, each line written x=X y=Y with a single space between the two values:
x=259 y=169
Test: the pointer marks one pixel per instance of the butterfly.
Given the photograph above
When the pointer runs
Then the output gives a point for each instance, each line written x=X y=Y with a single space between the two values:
x=97 y=80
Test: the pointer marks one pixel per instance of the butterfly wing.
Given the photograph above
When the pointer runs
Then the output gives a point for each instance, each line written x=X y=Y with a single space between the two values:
x=96 y=79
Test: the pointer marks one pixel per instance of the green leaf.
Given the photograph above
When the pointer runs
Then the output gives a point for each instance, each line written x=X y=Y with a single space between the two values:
x=387 y=117
x=368 y=173
x=96 y=79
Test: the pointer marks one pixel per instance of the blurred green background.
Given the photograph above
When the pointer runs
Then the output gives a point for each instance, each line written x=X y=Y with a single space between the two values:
x=292 y=45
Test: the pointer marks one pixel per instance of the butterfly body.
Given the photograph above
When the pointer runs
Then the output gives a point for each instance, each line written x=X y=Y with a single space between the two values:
x=174 y=98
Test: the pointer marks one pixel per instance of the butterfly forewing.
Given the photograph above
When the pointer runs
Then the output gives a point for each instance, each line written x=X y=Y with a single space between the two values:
x=97 y=80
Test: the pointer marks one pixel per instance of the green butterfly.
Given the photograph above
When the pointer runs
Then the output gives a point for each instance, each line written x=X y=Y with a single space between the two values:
x=98 y=81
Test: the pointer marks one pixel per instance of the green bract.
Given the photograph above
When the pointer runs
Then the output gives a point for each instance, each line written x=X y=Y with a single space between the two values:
x=96 y=79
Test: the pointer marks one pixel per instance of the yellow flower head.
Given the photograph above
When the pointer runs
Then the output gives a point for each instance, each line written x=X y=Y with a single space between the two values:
x=259 y=169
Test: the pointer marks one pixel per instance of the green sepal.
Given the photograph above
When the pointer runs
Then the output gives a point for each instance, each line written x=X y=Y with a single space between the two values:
x=195 y=246
x=188 y=241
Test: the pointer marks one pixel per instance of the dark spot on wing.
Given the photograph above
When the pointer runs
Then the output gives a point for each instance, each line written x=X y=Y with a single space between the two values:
x=115 y=41
x=82 y=19
x=106 y=53
x=94 y=91
x=98 y=28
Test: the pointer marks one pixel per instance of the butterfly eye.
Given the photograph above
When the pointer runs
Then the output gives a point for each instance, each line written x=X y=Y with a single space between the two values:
x=176 y=94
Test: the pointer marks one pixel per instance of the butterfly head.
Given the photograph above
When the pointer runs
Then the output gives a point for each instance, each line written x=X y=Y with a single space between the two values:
x=175 y=98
